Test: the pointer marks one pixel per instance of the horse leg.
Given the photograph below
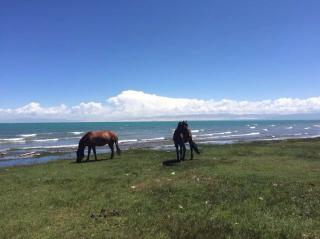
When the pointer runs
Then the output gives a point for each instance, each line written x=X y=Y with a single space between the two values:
x=112 y=150
x=94 y=151
x=183 y=151
x=191 y=149
x=177 y=151
x=89 y=151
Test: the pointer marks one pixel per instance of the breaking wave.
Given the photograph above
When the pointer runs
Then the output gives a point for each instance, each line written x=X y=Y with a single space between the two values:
x=45 y=140
x=27 y=135
x=76 y=132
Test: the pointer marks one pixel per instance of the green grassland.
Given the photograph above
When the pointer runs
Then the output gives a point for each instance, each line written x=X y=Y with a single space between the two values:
x=245 y=190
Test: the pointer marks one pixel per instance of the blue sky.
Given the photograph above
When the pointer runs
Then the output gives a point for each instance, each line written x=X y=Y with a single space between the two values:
x=68 y=52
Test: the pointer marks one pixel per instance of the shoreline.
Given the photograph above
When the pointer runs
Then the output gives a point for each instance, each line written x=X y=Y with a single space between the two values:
x=42 y=156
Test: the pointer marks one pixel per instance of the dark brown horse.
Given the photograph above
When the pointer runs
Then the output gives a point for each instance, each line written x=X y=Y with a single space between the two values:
x=182 y=135
x=97 y=138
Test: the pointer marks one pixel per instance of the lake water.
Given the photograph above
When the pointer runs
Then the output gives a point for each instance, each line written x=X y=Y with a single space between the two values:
x=41 y=139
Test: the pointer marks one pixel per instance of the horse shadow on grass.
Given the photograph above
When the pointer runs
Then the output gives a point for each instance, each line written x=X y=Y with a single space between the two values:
x=90 y=161
x=171 y=162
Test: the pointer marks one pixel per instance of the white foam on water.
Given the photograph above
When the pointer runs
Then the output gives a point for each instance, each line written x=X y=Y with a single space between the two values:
x=317 y=125
x=128 y=141
x=217 y=142
x=229 y=136
x=313 y=136
x=307 y=128
x=51 y=147
x=45 y=140
x=252 y=127
x=76 y=137
x=153 y=139
x=240 y=135
x=286 y=137
x=273 y=125
x=212 y=134
x=195 y=131
x=12 y=139
x=76 y=132
x=27 y=135
x=266 y=130
x=298 y=134
x=290 y=127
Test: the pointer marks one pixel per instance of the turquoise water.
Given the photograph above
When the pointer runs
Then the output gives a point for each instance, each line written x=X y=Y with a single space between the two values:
x=20 y=138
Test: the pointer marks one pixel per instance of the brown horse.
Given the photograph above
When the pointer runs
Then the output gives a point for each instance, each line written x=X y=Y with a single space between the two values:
x=182 y=135
x=97 y=138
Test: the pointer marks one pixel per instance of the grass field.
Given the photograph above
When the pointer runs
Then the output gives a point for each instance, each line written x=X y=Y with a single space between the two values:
x=249 y=190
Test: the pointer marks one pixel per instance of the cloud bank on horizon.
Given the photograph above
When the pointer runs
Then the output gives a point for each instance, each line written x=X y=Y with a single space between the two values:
x=137 y=105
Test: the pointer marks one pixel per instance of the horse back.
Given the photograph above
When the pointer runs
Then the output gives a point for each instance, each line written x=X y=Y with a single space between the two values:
x=99 y=138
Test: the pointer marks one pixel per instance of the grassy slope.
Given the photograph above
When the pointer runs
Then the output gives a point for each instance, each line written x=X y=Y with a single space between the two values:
x=256 y=190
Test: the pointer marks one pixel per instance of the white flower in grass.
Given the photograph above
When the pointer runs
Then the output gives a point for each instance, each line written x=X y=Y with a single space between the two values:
x=173 y=173
x=133 y=187
x=180 y=206
x=261 y=198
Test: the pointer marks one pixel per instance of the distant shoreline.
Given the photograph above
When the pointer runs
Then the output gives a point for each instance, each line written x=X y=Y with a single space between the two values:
x=40 y=157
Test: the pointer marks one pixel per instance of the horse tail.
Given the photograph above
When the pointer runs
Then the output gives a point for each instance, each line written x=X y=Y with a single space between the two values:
x=194 y=146
x=117 y=146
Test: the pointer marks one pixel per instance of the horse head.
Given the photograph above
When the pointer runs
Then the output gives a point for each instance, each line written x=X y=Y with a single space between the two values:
x=182 y=124
x=80 y=154
x=185 y=124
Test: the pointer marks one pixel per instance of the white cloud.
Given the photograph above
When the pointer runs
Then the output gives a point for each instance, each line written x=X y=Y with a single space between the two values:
x=130 y=105
x=90 y=108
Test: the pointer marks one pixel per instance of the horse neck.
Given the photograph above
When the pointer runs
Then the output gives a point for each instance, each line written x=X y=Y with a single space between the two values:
x=81 y=147
x=186 y=132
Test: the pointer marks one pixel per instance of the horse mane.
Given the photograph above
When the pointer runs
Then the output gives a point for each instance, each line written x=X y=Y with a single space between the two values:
x=81 y=141
x=84 y=136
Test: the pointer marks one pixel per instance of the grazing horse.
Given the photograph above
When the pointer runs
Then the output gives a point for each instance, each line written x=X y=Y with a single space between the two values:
x=97 y=138
x=181 y=135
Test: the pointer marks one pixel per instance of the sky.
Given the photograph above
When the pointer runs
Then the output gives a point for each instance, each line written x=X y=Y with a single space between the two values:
x=81 y=60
